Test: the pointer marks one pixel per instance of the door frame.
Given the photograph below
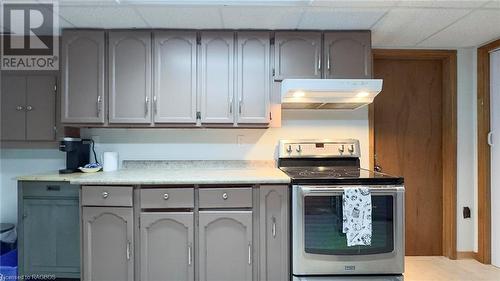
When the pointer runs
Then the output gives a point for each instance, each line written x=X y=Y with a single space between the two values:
x=483 y=152
x=448 y=59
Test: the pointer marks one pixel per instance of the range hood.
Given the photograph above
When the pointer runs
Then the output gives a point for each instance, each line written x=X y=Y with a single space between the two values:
x=328 y=93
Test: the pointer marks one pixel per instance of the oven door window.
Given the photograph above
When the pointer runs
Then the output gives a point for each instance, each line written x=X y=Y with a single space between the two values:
x=323 y=226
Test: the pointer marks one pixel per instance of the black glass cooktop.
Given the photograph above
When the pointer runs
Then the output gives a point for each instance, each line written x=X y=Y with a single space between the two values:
x=338 y=175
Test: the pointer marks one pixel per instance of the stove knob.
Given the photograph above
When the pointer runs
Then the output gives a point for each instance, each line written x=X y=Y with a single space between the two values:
x=341 y=149
x=289 y=149
x=351 y=149
x=299 y=149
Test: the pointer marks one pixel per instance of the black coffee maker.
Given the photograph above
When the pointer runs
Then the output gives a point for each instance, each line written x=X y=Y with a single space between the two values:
x=77 y=153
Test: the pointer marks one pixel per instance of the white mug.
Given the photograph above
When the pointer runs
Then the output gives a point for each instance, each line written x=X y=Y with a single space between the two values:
x=110 y=161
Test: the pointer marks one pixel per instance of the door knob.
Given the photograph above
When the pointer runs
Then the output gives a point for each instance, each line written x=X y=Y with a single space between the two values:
x=19 y=108
x=377 y=168
x=29 y=108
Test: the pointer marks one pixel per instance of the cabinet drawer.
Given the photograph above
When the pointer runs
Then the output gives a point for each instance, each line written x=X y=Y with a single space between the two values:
x=225 y=197
x=49 y=189
x=107 y=196
x=160 y=198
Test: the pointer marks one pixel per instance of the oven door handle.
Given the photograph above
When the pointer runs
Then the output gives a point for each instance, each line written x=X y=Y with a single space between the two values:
x=330 y=191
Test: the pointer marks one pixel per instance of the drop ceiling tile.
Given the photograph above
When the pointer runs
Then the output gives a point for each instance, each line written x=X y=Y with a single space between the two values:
x=340 y=18
x=261 y=17
x=102 y=16
x=405 y=27
x=475 y=29
x=181 y=17
x=442 y=3
x=354 y=3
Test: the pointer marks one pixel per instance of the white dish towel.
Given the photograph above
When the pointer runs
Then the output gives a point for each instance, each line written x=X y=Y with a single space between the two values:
x=357 y=216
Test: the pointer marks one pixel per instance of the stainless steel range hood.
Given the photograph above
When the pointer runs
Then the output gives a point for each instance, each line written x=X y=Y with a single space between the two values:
x=328 y=93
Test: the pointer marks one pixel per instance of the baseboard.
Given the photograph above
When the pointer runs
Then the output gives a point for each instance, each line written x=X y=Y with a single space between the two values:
x=466 y=255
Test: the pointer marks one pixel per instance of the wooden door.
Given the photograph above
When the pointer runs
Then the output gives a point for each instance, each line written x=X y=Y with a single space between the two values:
x=13 y=107
x=107 y=244
x=348 y=54
x=226 y=248
x=175 y=77
x=217 y=77
x=274 y=233
x=297 y=55
x=41 y=107
x=82 y=98
x=129 y=77
x=252 y=81
x=167 y=246
x=408 y=142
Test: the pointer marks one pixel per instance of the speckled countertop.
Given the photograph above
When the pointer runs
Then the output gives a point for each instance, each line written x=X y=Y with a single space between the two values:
x=177 y=172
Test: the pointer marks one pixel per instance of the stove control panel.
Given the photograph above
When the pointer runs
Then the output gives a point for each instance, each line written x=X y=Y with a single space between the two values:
x=319 y=148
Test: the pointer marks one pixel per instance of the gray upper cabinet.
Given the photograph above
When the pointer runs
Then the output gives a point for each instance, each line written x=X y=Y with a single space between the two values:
x=226 y=249
x=274 y=234
x=82 y=99
x=129 y=77
x=297 y=55
x=216 y=77
x=108 y=244
x=175 y=63
x=253 y=78
x=167 y=246
x=28 y=107
x=13 y=107
x=347 y=54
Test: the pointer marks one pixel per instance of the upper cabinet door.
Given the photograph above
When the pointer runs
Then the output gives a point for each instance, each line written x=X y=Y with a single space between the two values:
x=83 y=77
x=297 y=55
x=348 y=54
x=129 y=77
x=217 y=81
x=175 y=77
x=13 y=103
x=40 y=107
x=253 y=78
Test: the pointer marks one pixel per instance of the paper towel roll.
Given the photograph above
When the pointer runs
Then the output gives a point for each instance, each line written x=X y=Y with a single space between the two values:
x=110 y=160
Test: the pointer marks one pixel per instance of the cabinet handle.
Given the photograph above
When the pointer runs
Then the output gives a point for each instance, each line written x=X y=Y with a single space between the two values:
x=225 y=196
x=128 y=250
x=155 y=104
x=99 y=101
x=105 y=194
x=328 y=62
x=190 y=249
x=53 y=188
x=146 y=106
x=274 y=227
x=231 y=105
x=29 y=108
x=239 y=106
x=249 y=253
x=319 y=62
x=165 y=196
x=19 y=108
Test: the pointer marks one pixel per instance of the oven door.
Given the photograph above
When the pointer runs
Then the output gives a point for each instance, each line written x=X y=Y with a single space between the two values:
x=320 y=247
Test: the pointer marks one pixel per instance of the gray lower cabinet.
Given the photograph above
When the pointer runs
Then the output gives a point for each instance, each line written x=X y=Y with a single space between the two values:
x=28 y=107
x=217 y=77
x=167 y=247
x=175 y=59
x=226 y=245
x=274 y=233
x=129 y=67
x=48 y=229
x=107 y=244
x=347 y=54
x=253 y=78
x=297 y=55
x=82 y=99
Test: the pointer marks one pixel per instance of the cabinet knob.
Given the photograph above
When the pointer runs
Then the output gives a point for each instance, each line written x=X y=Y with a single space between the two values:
x=224 y=196
x=165 y=196
x=29 y=108
x=105 y=194
x=19 y=107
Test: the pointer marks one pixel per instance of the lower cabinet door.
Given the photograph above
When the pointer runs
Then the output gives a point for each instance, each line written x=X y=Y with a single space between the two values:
x=274 y=233
x=108 y=244
x=226 y=249
x=167 y=246
x=51 y=237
